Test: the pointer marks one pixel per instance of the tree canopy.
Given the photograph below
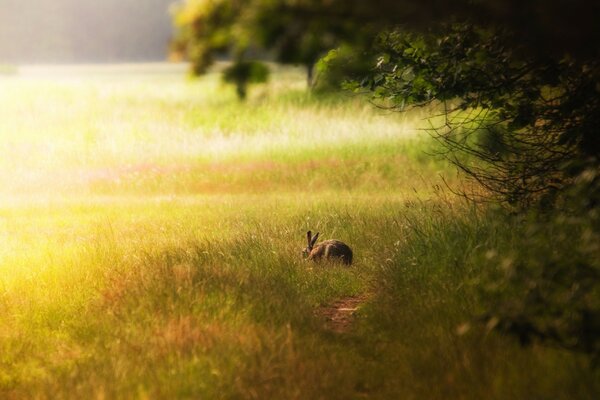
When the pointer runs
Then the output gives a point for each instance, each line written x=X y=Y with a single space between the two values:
x=531 y=119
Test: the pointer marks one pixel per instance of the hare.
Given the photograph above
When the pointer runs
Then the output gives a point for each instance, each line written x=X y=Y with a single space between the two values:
x=330 y=249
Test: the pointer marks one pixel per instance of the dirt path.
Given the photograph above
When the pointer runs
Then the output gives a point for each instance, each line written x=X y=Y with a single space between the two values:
x=339 y=315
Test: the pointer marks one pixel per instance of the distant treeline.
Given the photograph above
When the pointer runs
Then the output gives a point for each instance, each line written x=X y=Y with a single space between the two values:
x=63 y=31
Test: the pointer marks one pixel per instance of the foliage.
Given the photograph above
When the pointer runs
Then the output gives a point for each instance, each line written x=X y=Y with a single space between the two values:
x=547 y=286
x=538 y=115
x=520 y=115
x=292 y=32
x=206 y=28
x=343 y=64
x=211 y=28
x=297 y=32
x=524 y=126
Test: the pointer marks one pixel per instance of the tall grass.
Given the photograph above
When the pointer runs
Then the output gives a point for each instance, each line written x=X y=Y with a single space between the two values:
x=150 y=282
x=79 y=134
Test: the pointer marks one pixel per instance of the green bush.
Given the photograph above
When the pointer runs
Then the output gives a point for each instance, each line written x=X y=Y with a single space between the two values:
x=340 y=65
x=547 y=286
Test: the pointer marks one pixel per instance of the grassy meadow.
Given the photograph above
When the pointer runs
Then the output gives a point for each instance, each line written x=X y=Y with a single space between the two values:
x=151 y=229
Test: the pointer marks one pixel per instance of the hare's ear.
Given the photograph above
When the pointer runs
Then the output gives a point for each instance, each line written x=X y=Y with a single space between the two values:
x=308 y=237
x=314 y=240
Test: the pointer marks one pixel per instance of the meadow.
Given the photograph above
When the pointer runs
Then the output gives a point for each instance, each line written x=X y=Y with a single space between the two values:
x=151 y=229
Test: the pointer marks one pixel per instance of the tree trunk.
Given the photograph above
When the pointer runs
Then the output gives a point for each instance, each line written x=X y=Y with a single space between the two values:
x=241 y=90
x=310 y=74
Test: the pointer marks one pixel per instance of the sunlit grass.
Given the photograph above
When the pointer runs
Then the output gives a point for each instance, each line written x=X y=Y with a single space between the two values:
x=150 y=238
x=69 y=134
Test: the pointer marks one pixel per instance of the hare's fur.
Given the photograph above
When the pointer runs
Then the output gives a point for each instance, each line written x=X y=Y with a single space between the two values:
x=333 y=250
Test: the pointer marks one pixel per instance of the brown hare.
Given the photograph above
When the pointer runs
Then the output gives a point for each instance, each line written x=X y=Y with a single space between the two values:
x=333 y=250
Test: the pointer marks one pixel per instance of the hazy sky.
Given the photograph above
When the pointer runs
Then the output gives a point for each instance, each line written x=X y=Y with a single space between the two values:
x=63 y=31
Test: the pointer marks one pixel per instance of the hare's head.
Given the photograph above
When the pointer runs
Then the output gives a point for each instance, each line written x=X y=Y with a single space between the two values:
x=311 y=240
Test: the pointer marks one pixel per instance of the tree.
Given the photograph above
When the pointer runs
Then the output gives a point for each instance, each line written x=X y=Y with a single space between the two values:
x=290 y=31
x=297 y=32
x=206 y=28
x=529 y=120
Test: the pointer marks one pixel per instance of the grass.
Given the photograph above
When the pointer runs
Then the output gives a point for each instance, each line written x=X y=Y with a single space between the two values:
x=151 y=232
x=73 y=134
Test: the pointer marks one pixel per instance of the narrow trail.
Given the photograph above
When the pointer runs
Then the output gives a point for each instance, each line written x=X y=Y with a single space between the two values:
x=339 y=315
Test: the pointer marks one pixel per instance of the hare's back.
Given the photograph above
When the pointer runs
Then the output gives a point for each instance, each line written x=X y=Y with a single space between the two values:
x=337 y=249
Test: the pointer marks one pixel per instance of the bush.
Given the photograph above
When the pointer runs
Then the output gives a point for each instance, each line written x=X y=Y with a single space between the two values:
x=546 y=287
x=341 y=65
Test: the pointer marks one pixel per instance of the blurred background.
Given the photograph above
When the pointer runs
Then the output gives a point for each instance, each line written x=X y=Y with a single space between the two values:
x=83 y=31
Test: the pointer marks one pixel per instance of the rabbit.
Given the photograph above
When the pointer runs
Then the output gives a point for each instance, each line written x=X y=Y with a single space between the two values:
x=330 y=249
